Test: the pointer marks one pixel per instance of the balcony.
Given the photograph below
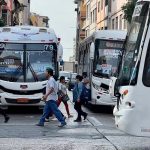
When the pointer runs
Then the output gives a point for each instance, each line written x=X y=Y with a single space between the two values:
x=82 y=15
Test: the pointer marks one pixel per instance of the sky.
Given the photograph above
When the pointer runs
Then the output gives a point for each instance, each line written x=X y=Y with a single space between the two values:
x=62 y=19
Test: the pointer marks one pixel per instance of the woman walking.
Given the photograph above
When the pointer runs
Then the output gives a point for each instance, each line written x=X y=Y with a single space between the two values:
x=62 y=95
x=76 y=99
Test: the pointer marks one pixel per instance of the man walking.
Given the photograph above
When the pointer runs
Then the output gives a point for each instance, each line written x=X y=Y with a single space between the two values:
x=76 y=99
x=51 y=97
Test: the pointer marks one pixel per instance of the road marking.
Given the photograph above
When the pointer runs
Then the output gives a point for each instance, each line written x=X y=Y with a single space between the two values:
x=94 y=121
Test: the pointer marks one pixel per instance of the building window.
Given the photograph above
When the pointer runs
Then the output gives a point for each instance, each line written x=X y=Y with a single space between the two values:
x=113 y=23
x=120 y=22
x=4 y=15
x=98 y=6
x=91 y=16
x=116 y=23
x=125 y=24
x=102 y=2
x=106 y=2
x=95 y=14
x=88 y=12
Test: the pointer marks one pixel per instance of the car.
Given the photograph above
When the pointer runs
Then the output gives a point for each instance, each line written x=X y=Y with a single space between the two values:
x=72 y=81
x=66 y=74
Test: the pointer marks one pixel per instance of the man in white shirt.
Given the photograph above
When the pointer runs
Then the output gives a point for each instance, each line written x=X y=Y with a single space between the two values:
x=50 y=98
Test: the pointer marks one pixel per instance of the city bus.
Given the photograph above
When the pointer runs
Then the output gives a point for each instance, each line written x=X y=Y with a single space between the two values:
x=132 y=113
x=99 y=56
x=25 y=53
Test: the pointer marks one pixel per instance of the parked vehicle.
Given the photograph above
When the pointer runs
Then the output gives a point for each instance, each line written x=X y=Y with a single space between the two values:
x=72 y=81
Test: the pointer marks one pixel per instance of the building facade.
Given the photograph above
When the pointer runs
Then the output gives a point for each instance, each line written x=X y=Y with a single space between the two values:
x=24 y=15
x=95 y=15
x=15 y=12
x=39 y=21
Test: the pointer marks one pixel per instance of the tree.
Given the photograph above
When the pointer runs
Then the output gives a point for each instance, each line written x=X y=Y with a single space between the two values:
x=2 y=23
x=128 y=9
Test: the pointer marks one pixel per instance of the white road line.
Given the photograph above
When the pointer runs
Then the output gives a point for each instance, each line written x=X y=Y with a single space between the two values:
x=94 y=121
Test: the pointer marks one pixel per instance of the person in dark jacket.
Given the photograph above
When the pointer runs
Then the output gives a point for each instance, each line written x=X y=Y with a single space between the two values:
x=6 y=117
x=76 y=99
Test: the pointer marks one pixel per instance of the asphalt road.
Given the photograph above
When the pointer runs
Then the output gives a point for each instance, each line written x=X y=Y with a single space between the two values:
x=98 y=132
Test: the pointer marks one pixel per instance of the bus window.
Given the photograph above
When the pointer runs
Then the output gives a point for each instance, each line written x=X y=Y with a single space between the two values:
x=107 y=57
x=146 y=73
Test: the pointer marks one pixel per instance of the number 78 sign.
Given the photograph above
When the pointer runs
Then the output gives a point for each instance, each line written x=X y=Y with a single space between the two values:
x=48 y=47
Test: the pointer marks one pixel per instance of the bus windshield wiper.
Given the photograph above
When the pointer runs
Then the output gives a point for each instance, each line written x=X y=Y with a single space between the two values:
x=33 y=72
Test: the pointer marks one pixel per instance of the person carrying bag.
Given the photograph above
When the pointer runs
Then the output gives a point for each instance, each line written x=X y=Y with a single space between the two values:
x=62 y=95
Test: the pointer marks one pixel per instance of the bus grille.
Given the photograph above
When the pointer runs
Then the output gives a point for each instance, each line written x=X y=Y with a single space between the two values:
x=17 y=92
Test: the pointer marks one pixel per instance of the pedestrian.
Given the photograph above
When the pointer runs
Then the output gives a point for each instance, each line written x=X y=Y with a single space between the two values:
x=62 y=95
x=6 y=117
x=85 y=80
x=50 y=98
x=76 y=99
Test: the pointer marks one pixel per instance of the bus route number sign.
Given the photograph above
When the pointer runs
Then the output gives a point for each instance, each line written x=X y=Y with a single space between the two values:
x=48 y=47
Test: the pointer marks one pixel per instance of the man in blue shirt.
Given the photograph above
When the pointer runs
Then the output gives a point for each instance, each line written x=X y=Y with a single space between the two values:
x=76 y=99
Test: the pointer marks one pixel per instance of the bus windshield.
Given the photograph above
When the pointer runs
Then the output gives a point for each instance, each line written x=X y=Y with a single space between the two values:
x=25 y=62
x=107 y=54
x=129 y=70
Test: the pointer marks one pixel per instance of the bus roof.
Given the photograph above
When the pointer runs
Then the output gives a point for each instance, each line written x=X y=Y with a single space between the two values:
x=110 y=34
x=27 y=34
x=105 y=34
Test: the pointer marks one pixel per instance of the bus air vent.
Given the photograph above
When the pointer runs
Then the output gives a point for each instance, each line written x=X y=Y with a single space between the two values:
x=43 y=30
x=6 y=30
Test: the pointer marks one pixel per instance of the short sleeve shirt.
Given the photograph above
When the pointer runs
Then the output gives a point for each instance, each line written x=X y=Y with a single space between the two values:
x=63 y=88
x=51 y=83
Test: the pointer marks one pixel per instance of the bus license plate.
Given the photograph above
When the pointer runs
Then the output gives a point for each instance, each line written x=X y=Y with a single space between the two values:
x=22 y=100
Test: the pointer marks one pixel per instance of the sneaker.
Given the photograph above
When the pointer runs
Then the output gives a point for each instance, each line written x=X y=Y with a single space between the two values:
x=52 y=117
x=64 y=117
x=62 y=124
x=77 y=120
x=39 y=124
x=6 y=119
x=46 y=120
x=85 y=116
x=70 y=116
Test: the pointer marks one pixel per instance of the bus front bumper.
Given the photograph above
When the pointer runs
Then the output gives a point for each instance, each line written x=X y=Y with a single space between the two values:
x=7 y=99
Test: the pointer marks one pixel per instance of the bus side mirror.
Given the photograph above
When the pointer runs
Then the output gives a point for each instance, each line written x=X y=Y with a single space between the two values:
x=59 y=52
x=92 y=51
x=116 y=88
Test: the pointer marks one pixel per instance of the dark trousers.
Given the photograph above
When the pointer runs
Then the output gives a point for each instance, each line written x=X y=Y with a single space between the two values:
x=3 y=112
x=78 y=108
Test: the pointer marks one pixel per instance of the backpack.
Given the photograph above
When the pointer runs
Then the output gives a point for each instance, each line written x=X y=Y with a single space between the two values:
x=85 y=94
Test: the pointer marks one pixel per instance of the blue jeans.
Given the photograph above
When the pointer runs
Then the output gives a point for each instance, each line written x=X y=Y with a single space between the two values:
x=51 y=107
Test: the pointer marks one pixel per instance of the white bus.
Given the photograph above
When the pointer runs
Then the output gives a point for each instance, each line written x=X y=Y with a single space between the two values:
x=25 y=53
x=99 y=56
x=132 y=114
